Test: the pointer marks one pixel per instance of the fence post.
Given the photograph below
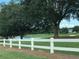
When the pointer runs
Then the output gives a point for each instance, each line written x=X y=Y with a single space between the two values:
x=32 y=44
x=19 y=43
x=51 y=45
x=10 y=43
x=4 y=42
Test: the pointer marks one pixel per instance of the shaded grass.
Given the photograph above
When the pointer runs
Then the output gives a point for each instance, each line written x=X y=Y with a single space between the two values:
x=16 y=55
x=40 y=35
x=49 y=35
x=67 y=44
x=68 y=52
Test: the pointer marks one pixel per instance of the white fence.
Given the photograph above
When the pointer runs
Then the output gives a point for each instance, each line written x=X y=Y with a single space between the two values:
x=51 y=47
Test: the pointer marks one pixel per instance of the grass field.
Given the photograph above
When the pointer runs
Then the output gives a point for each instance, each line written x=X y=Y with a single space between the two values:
x=6 y=54
x=76 y=35
x=40 y=35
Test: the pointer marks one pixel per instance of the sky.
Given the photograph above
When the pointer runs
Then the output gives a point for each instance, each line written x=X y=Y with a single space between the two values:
x=64 y=23
x=69 y=24
x=6 y=1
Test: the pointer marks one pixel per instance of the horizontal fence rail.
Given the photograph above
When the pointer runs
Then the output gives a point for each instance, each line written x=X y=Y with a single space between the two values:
x=32 y=45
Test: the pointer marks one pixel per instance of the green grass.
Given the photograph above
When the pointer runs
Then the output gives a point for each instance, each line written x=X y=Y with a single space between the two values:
x=68 y=53
x=4 y=54
x=76 y=34
x=51 y=35
x=67 y=44
x=40 y=35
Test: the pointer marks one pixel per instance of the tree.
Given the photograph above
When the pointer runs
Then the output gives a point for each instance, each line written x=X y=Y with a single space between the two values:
x=41 y=27
x=64 y=30
x=12 y=20
x=76 y=29
x=52 y=10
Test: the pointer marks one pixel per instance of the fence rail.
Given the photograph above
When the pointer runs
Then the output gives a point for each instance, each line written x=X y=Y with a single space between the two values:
x=32 y=45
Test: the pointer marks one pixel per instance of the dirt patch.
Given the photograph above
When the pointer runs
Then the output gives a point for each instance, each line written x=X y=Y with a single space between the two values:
x=42 y=53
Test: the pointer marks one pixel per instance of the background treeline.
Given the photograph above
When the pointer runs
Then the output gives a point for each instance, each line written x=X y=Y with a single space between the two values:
x=15 y=20
x=66 y=30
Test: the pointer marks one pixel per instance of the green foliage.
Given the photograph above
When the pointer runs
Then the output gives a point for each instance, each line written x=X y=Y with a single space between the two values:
x=52 y=11
x=76 y=29
x=12 y=20
x=64 y=30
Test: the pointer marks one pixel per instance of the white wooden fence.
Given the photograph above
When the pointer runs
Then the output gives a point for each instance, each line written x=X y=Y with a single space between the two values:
x=51 y=47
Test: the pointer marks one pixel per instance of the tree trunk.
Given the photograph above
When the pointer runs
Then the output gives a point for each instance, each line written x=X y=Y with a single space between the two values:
x=56 y=30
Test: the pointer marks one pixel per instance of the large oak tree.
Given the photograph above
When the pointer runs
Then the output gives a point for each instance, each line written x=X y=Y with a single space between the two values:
x=52 y=10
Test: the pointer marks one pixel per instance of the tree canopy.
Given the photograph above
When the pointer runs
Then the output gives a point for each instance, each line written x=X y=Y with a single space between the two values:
x=12 y=20
x=27 y=16
x=52 y=10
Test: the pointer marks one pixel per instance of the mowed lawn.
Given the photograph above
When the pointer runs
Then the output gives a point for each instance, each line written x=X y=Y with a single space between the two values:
x=6 y=54
x=49 y=35
x=39 y=35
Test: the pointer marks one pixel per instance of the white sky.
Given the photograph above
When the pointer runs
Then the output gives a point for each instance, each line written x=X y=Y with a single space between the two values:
x=69 y=24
